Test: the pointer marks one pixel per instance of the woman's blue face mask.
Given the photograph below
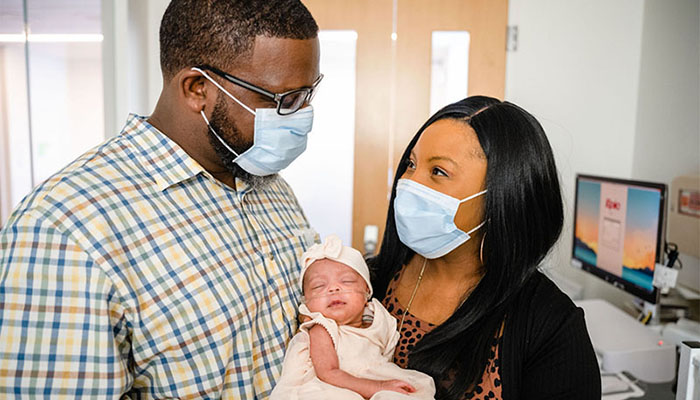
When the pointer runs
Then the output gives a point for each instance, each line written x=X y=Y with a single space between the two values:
x=425 y=219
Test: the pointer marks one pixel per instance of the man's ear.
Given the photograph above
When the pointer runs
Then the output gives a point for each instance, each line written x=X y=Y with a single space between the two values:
x=194 y=91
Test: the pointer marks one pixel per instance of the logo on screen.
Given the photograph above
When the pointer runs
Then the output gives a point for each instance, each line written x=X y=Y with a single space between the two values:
x=612 y=205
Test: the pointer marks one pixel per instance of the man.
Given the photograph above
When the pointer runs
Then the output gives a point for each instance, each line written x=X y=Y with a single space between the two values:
x=163 y=263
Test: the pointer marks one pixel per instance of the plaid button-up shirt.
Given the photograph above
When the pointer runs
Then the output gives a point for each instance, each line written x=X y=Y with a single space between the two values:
x=133 y=271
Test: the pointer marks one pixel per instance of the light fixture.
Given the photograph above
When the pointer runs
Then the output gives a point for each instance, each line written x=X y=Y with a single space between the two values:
x=51 y=37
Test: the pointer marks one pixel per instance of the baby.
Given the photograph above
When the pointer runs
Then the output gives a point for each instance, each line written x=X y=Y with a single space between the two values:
x=338 y=354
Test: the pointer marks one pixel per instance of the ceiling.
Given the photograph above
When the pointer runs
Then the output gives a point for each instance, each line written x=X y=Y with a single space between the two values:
x=51 y=16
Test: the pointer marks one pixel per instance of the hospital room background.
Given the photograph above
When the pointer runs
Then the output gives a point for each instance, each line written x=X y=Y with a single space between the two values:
x=615 y=84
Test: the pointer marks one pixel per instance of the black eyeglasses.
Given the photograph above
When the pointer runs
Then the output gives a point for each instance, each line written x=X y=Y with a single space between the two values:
x=287 y=102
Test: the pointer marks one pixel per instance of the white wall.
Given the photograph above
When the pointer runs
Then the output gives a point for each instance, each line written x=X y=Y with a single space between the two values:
x=15 y=106
x=668 y=112
x=115 y=61
x=138 y=53
x=131 y=59
x=596 y=75
x=667 y=125
x=4 y=148
x=155 y=11
x=66 y=97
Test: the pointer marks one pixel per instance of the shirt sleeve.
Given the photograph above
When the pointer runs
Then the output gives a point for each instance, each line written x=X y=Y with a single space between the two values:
x=565 y=366
x=318 y=319
x=63 y=330
x=387 y=325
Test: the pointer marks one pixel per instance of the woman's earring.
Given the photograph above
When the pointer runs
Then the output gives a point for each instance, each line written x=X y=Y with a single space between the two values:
x=481 y=249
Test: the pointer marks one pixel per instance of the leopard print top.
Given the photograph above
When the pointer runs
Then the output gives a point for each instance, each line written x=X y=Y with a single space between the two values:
x=413 y=329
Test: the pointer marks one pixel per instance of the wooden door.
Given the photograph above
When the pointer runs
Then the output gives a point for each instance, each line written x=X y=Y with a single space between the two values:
x=393 y=67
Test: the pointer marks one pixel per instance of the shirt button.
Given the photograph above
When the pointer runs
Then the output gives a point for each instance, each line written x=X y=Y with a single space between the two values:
x=271 y=256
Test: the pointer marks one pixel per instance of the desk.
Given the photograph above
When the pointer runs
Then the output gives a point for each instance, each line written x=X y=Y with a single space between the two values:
x=623 y=344
x=652 y=391
x=640 y=390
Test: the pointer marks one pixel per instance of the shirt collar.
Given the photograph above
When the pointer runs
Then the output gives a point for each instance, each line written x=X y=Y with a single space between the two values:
x=242 y=188
x=166 y=161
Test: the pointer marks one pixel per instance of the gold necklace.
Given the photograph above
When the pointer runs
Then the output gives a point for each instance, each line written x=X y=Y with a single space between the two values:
x=415 y=289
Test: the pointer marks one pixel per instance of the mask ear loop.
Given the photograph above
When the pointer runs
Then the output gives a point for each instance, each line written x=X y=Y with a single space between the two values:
x=240 y=103
x=473 y=196
x=216 y=135
x=481 y=249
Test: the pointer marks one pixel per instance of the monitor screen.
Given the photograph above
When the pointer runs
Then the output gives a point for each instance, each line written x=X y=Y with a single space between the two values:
x=619 y=231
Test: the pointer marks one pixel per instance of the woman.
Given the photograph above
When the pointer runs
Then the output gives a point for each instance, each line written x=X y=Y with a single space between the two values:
x=475 y=207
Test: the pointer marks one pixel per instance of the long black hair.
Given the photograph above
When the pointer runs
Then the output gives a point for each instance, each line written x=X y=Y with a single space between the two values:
x=524 y=217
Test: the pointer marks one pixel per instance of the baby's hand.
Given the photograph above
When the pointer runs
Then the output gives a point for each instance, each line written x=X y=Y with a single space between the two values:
x=396 y=385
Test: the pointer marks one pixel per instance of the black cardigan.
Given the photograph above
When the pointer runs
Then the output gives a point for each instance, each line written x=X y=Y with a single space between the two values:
x=545 y=351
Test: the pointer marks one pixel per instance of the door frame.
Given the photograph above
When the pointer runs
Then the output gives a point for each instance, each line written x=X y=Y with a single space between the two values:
x=393 y=65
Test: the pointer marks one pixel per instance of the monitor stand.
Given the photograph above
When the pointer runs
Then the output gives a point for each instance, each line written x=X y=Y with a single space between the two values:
x=624 y=344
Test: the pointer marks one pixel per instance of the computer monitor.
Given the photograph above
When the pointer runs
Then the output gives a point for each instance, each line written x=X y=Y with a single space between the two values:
x=619 y=232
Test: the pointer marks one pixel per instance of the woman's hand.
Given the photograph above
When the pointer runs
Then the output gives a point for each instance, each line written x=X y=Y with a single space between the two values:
x=396 y=385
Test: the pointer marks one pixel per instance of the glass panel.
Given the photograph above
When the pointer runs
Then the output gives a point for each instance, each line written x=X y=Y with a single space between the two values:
x=51 y=17
x=322 y=177
x=449 y=68
x=11 y=17
x=65 y=81
x=15 y=171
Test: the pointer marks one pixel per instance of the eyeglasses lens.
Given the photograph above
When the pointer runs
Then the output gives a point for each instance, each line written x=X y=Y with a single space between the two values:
x=292 y=102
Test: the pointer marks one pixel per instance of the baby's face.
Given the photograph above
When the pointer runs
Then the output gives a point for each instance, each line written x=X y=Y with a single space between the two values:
x=336 y=291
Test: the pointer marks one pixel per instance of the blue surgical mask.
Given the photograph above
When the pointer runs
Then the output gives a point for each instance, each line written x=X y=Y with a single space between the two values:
x=277 y=139
x=425 y=219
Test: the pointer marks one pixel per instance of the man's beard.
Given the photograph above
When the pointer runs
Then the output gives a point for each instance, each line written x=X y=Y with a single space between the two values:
x=229 y=132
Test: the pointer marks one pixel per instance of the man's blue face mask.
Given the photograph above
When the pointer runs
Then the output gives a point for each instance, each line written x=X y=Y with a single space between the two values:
x=277 y=140
x=425 y=219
